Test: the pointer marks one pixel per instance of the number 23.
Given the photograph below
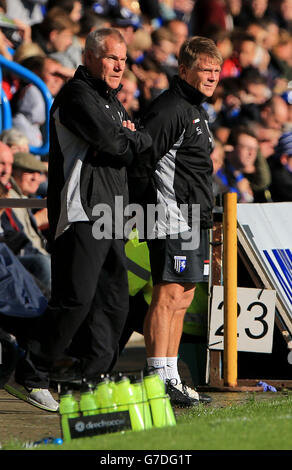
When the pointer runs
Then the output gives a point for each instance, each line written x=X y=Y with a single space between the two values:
x=260 y=318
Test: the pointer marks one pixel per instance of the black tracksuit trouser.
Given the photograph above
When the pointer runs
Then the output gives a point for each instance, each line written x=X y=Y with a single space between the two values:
x=88 y=307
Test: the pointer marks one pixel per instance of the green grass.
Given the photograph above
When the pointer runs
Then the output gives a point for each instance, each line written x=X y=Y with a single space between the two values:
x=254 y=425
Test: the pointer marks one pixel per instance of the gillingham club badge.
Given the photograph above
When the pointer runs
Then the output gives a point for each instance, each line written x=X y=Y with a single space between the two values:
x=180 y=263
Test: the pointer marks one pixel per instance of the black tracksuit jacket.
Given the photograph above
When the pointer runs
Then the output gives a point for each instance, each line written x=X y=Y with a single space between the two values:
x=90 y=151
x=178 y=125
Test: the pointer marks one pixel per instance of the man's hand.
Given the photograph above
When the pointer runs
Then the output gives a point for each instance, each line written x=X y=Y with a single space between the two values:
x=129 y=125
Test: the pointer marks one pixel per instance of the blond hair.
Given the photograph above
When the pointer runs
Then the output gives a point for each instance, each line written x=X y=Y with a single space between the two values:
x=196 y=46
x=26 y=50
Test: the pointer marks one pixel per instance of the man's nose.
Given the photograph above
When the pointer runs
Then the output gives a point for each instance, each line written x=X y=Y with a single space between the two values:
x=212 y=76
x=119 y=64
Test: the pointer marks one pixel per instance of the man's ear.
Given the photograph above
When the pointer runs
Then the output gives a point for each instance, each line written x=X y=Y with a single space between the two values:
x=182 y=71
x=87 y=57
x=52 y=35
x=284 y=159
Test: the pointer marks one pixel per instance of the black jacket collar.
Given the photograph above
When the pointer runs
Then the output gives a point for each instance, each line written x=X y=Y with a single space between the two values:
x=189 y=93
x=96 y=83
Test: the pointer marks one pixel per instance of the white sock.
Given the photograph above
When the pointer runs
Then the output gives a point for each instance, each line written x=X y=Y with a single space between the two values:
x=158 y=363
x=171 y=369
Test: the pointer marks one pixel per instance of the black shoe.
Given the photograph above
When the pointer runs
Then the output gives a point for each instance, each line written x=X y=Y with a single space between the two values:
x=204 y=398
x=178 y=397
x=68 y=373
x=192 y=393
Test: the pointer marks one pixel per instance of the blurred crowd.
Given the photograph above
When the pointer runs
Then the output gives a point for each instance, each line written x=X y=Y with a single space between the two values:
x=250 y=114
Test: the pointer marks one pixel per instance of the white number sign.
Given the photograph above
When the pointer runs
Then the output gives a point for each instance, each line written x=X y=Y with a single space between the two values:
x=255 y=319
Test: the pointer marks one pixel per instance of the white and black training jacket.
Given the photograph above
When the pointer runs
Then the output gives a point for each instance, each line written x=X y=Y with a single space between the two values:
x=182 y=143
x=90 y=151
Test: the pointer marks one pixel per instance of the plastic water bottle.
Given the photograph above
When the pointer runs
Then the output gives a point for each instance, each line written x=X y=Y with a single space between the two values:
x=88 y=405
x=104 y=396
x=142 y=401
x=162 y=412
x=122 y=393
x=68 y=408
x=125 y=398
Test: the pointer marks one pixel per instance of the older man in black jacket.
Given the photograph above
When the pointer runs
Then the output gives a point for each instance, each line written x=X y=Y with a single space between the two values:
x=92 y=142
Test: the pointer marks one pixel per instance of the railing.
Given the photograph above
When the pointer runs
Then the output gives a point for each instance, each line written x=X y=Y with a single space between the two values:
x=28 y=203
x=5 y=114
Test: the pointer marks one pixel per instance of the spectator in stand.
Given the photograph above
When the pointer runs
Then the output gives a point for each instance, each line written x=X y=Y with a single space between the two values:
x=55 y=33
x=5 y=46
x=256 y=10
x=284 y=14
x=266 y=34
x=28 y=105
x=162 y=51
x=253 y=87
x=220 y=183
x=128 y=94
x=257 y=29
x=253 y=93
x=72 y=57
x=16 y=140
x=246 y=101
x=207 y=13
x=28 y=11
x=152 y=81
x=15 y=30
x=262 y=58
x=183 y=10
x=281 y=169
x=267 y=138
x=29 y=114
x=282 y=56
x=25 y=180
x=19 y=224
x=273 y=32
x=244 y=156
x=244 y=54
x=222 y=39
x=278 y=43
x=274 y=113
x=73 y=8
x=213 y=106
x=125 y=21
x=228 y=179
x=6 y=162
x=10 y=38
x=136 y=50
x=179 y=31
x=27 y=50
x=236 y=12
x=230 y=106
x=21 y=301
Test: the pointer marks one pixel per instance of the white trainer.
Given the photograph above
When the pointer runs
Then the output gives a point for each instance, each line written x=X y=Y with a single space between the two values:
x=192 y=393
x=188 y=391
x=39 y=397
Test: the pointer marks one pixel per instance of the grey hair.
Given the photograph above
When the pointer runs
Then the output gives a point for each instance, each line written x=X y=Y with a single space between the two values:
x=13 y=136
x=95 y=40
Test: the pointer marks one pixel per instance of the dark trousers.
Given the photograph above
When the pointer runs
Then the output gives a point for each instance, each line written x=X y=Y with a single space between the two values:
x=87 y=310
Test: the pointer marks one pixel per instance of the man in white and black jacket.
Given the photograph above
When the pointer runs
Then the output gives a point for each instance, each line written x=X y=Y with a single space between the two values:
x=182 y=191
x=92 y=143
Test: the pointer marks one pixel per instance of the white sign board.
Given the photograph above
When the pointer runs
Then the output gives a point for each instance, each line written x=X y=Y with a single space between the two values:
x=268 y=229
x=255 y=319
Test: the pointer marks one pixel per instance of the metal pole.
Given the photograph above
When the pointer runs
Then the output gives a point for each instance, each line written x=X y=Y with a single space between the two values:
x=230 y=288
